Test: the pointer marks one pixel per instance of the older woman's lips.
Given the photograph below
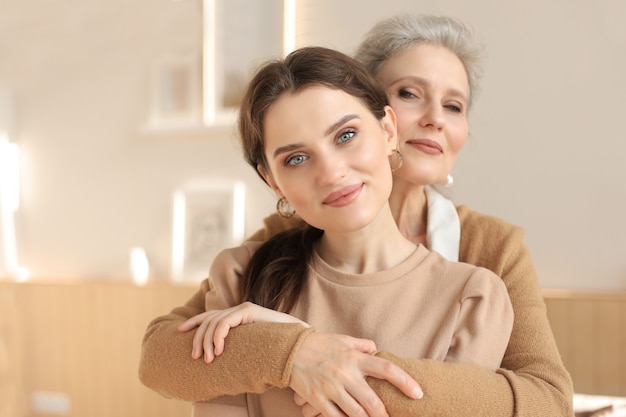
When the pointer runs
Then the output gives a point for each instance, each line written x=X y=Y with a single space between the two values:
x=427 y=146
x=344 y=196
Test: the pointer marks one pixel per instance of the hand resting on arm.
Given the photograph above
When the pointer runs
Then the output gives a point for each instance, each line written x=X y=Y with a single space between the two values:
x=326 y=366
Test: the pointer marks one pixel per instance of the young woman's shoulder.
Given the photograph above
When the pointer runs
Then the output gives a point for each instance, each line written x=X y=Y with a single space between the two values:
x=275 y=224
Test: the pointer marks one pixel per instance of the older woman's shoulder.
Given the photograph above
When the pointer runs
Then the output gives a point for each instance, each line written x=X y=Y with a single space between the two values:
x=497 y=245
x=479 y=224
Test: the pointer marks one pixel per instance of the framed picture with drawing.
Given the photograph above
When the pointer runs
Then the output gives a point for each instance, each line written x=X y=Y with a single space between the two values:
x=208 y=216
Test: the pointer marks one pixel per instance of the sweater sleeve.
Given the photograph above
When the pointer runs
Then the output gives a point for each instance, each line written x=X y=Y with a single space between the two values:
x=484 y=322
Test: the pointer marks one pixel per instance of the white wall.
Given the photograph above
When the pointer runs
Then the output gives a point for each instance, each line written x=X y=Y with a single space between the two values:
x=546 y=150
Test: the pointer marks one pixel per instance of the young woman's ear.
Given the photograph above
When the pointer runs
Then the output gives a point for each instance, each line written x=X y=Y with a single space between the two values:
x=388 y=123
x=267 y=177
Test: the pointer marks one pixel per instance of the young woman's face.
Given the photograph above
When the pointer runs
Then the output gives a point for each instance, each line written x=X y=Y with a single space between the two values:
x=428 y=89
x=327 y=154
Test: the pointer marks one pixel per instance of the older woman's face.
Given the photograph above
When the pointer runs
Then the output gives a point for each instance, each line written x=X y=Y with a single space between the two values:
x=428 y=89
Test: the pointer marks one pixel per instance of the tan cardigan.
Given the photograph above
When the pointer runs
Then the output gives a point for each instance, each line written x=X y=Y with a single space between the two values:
x=532 y=380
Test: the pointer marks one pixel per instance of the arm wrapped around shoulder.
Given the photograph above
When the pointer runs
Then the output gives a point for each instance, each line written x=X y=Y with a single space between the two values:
x=259 y=357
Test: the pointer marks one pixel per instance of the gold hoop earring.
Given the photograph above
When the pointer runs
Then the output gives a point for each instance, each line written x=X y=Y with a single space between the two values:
x=284 y=208
x=398 y=155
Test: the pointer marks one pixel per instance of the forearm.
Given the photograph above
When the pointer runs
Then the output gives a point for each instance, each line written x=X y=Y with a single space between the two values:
x=453 y=389
x=532 y=368
x=450 y=389
x=257 y=357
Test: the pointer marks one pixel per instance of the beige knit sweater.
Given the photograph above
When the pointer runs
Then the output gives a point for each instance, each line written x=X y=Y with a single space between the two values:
x=532 y=380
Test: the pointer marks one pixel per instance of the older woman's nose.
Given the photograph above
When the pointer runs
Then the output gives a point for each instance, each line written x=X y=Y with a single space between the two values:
x=433 y=116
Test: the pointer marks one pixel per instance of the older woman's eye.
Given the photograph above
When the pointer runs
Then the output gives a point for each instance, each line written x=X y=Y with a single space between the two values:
x=455 y=108
x=346 y=136
x=405 y=94
x=295 y=160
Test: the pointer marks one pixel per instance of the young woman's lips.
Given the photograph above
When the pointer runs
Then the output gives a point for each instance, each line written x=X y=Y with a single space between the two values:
x=344 y=196
x=427 y=146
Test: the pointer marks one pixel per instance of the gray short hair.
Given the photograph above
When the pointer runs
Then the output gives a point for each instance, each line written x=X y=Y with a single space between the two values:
x=393 y=35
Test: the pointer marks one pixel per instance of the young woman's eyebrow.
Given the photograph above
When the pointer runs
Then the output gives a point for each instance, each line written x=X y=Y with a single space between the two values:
x=332 y=128
x=340 y=122
x=287 y=148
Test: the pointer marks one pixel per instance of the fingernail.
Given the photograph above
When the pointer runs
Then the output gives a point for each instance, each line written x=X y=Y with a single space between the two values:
x=418 y=393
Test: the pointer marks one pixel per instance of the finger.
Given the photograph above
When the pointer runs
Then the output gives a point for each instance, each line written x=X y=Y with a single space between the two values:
x=388 y=371
x=368 y=405
x=223 y=328
x=366 y=399
x=190 y=323
x=308 y=410
x=362 y=345
x=207 y=343
x=198 y=340
x=329 y=410
x=298 y=399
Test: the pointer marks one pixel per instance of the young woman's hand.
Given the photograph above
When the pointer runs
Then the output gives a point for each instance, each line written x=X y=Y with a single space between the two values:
x=328 y=377
x=213 y=326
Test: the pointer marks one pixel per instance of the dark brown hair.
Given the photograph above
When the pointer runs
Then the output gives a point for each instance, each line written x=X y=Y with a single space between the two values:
x=276 y=272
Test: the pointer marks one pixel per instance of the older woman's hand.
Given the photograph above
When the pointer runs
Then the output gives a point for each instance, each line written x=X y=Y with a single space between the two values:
x=328 y=377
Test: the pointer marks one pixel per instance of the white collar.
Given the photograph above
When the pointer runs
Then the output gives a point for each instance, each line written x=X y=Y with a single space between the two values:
x=443 y=231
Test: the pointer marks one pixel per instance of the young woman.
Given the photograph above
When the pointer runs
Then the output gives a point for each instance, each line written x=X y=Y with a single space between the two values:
x=420 y=59
x=318 y=130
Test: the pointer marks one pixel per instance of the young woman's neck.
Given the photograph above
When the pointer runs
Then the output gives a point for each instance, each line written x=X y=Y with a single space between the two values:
x=410 y=211
x=376 y=247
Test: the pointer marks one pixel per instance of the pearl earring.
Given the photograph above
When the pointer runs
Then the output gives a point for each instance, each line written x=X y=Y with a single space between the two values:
x=449 y=181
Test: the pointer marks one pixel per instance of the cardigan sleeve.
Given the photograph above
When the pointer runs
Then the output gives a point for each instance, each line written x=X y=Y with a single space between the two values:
x=166 y=365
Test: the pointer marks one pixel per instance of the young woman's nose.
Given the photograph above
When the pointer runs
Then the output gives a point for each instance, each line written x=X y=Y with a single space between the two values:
x=433 y=116
x=330 y=169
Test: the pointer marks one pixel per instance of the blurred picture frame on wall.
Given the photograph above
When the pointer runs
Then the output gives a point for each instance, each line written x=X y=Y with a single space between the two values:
x=175 y=91
x=208 y=215
x=240 y=35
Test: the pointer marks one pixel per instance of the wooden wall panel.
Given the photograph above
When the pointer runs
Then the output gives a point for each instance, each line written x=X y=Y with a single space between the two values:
x=590 y=331
x=83 y=339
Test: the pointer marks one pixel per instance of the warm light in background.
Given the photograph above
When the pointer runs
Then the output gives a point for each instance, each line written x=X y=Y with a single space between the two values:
x=208 y=67
x=9 y=174
x=9 y=203
x=139 y=266
x=289 y=26
x=178 y=233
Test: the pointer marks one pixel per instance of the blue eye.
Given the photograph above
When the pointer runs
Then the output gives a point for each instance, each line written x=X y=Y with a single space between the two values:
x=295 y=160
x=346 y=136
